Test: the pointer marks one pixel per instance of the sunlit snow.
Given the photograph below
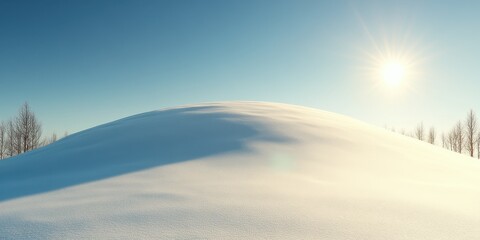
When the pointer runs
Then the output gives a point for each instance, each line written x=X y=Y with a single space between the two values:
x=239 y=170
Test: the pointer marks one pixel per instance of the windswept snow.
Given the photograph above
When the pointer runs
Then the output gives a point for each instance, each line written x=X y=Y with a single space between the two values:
x=239 y=170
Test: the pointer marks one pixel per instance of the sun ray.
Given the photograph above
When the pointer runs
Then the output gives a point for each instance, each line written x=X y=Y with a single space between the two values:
x=391 y=57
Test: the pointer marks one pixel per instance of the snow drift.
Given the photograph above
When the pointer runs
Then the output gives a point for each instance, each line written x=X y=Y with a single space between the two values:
x=239 y=170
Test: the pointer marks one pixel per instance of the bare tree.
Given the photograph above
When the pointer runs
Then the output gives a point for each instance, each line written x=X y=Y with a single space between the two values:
x=13 y=139
x=3 y=139
x=419 y=131
x=471 y=132
x=459 y=136
x=29 y=128
x=22 y=133
x=452 y=139
x=444 y=141
x=464 y=137
x=478 y=145
x=432 y=134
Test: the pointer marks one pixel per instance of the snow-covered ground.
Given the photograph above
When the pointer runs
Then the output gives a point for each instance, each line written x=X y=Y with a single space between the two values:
x=239 y=170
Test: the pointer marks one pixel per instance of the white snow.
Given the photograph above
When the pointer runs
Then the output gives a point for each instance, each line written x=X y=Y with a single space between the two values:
x=239 y=170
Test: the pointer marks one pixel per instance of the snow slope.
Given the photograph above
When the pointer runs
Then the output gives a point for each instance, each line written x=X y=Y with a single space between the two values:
x=239 y=170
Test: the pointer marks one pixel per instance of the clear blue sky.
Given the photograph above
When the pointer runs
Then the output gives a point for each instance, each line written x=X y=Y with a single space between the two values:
x=83 y=63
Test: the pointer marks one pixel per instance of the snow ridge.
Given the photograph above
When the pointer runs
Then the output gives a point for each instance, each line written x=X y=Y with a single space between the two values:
x=239 y=170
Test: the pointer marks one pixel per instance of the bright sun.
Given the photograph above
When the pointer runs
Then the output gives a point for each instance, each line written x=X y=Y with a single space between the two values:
x=393 y=73
x=391 y=61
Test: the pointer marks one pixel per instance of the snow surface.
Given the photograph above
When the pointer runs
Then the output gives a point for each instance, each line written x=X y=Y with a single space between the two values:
x=239 y=170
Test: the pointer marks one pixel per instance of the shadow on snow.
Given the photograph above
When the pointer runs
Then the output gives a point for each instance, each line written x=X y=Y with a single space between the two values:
x=131 y=144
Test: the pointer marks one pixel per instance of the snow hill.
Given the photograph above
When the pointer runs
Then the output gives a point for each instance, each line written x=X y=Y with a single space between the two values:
x=239 y=170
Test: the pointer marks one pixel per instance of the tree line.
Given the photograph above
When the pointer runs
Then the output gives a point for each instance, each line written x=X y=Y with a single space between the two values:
x=463 y=137
x=22 y=133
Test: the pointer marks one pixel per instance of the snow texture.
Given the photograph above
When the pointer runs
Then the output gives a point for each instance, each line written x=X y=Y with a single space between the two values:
x=239 y=170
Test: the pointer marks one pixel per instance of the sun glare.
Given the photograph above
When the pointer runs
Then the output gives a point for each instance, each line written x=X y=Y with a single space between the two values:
x=395 y=70
x=392 y=68
x=391 y=60
x=393 y=73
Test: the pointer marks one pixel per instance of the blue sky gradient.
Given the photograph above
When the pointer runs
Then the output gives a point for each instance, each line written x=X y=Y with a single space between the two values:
x=83 y=63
